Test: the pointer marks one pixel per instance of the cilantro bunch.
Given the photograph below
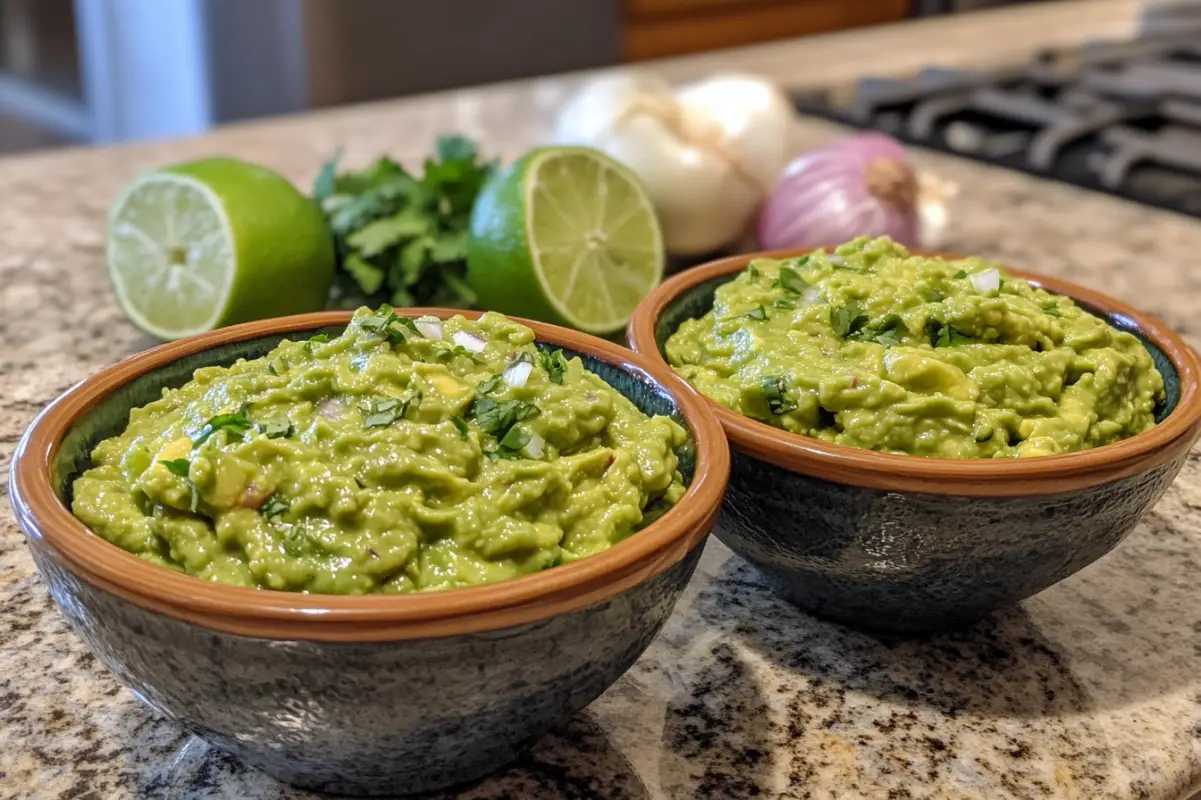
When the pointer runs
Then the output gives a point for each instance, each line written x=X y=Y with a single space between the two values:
x=402 y=239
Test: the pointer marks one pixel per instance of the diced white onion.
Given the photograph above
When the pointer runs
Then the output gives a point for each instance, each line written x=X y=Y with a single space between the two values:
x=430 y=327
x=535 y=447
x=836 y=259
x=469 y=341
x=331 y=408
x=812 y=296
x=517 y=373
x=987 y=281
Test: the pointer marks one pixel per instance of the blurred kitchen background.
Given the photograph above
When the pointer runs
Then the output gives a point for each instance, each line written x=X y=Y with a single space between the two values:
x=76 y=71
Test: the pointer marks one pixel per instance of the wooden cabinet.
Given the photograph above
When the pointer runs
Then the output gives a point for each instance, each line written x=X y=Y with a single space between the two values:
x=659 y=28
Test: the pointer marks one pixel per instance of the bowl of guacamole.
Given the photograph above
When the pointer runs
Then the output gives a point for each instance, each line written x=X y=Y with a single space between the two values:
x=378 y=553
x=932 y=437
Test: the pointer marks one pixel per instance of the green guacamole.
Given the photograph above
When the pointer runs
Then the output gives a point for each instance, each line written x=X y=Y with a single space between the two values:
x=397 y=457
x=870 y=346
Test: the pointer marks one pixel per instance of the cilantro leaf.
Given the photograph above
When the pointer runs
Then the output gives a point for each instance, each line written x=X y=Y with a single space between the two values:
x=555 y=364
x=403 y=237
x=1052 y=310
x=961 y=274
x=933 y=296
x=325 y=184
x=489 y=385
x=790 y=280
x=511 y=444
x=234 y=424
x=460 y=425
x=454 y=148
x=752 y=271
x=942 y=334
x=496 y=418
x=274 y=506
x=383 y=411
x=177 y=466
x=388 y=323
x=377 y=236
x=784 y=304
x=298 y=543
x=847 y=319
x=883 y=332
x=277 y=430
x=774 y=390
x=758 y=313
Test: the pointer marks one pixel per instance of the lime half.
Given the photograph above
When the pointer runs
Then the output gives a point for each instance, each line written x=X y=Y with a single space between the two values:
x=566 y=235
x=214 y=242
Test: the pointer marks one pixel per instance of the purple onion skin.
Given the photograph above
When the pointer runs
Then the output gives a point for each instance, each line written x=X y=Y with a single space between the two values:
x=859 y=186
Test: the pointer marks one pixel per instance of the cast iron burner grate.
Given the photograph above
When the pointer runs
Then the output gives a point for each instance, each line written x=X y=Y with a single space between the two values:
x=1117 y=117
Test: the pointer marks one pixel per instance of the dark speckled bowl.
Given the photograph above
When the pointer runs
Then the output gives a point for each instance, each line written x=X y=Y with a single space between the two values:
x=906 y=543
x=364 y=695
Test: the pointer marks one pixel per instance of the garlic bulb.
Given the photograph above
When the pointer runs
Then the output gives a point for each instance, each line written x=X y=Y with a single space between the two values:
x=708 y=153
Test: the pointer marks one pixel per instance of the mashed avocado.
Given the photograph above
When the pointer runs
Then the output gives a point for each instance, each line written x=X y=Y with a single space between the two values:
x=397 y=457
x=870 y=346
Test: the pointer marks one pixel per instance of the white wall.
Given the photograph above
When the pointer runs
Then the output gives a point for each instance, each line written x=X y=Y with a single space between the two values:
x=144 y=67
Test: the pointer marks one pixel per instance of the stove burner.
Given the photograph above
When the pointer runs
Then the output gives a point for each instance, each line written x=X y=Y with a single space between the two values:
x=1119 y=117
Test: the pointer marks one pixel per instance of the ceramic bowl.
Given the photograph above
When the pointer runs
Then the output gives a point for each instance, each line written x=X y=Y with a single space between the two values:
x=908 y=543
x=362 y=695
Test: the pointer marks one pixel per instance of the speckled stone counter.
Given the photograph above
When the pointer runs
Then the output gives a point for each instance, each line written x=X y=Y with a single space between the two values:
x=1090 y=690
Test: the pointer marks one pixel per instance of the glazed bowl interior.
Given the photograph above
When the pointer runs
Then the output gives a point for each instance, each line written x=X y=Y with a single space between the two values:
x=56 y=450
x=697 y=301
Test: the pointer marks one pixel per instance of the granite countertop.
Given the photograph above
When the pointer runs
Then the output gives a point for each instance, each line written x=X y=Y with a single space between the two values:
x=1089 y=690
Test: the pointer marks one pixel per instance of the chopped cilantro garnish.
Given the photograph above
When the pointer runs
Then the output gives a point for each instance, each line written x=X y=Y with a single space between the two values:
x=271 y=368
x=321 y=338
x=388 y=323
x=933 y=296
x=790 y=280
x=784 y=304
x=177 y=466
x=752 y=271
x=234 y=424
x=847 y=319
x=774 y=393
x=555 y=364
x=497 y=418
x=277 y=430
x=458 y=350
x=941 y=334
x=460 y=425
x=961 y=274
x=489 y=385
x=511 y=443
x=274 y=506
x=883 y=332
x=297 y=543
x=383 y=411
x=1052 y=310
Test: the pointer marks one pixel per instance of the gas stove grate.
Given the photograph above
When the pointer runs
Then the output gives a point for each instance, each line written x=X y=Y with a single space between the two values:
x=1123 y=118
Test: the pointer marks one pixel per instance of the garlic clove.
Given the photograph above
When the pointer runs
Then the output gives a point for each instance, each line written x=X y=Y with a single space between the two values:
x=934 y=197
x=701 y=202
x=605 y=102
x=752 y=117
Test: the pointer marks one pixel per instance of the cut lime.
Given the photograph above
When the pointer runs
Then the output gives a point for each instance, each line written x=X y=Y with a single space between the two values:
x=214 y=242
x=566 y=235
